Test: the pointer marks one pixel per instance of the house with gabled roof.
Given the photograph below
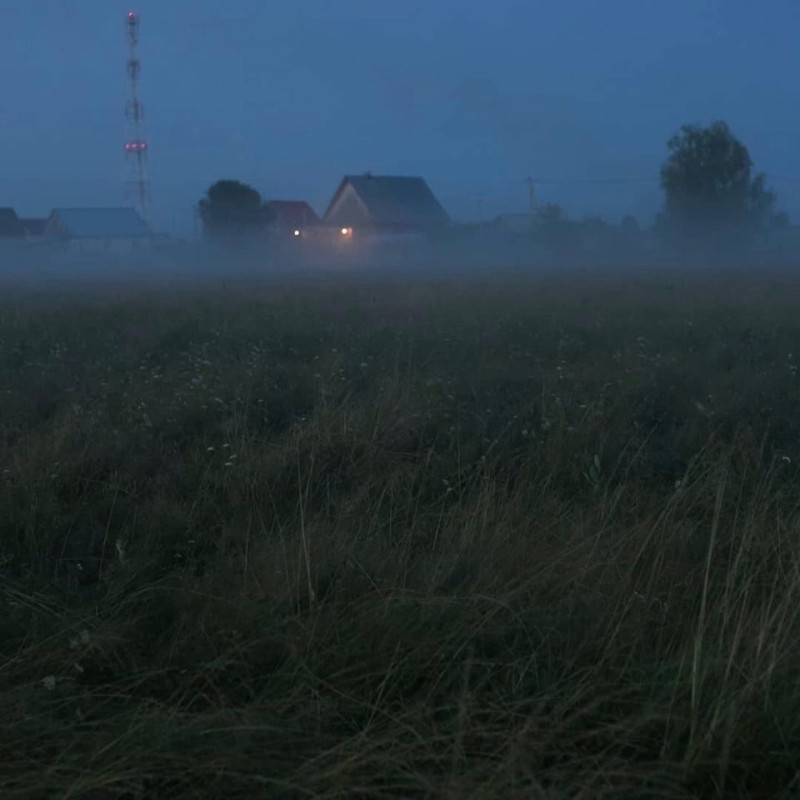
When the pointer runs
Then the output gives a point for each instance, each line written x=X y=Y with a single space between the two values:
x=33 y=227
x=10 y=227
x=98 y=230
x=385 y=205
x=292 y=217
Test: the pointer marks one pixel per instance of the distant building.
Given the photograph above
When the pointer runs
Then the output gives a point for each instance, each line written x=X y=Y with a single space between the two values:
x=33 y=227
x=516 y=223
x=99 y=230
x=385 y=205
x=292 y=217
x=10 y=227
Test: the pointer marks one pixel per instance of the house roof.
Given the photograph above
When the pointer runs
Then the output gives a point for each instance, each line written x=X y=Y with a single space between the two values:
x=394 y=200
x=293 y=213
x=9 y=223
x=100 y=223
x=33 y=226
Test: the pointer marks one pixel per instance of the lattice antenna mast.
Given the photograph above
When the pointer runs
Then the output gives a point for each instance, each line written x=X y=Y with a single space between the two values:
x=136 y=144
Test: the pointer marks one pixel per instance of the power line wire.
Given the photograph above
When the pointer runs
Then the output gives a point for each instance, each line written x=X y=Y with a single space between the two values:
x=595 y=180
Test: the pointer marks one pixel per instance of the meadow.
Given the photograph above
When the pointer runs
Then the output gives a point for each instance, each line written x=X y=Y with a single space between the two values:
x=521 y=537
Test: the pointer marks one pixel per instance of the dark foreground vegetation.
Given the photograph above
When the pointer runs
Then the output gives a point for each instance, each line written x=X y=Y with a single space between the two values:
x=504 y=539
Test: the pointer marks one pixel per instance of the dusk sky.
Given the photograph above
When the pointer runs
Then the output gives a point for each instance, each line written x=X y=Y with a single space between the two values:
x=473 y=96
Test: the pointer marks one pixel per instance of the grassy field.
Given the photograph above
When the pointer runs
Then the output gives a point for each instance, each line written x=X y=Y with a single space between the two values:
x=523 y=538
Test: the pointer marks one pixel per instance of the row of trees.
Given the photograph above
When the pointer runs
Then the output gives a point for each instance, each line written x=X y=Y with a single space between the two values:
x=712 y=196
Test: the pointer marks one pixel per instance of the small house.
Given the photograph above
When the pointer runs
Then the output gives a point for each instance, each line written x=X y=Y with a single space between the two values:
x=10 y=227
x=98 y=230
x=386 y=206
x=292 y=217
x=33 y=227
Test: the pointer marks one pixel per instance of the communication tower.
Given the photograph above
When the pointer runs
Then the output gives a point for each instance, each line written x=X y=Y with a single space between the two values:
x=136 y=143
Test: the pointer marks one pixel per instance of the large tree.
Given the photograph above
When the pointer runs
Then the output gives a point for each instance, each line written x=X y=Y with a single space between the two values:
x=711 y=192
x=233 y=210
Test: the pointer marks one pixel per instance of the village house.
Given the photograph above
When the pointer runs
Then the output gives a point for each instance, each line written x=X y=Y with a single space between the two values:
x=98 y=230
x=33 y=227
x=292 y=217
x=384 y=206
x=10 y=227
x=16 y=230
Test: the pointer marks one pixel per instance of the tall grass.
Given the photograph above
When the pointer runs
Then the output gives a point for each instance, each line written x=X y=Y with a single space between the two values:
x=529 y=538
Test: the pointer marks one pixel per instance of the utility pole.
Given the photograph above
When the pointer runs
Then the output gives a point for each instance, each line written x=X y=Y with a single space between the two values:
x=531 y=196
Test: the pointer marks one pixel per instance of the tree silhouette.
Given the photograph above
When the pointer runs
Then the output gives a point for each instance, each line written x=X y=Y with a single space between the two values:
x=233 y=210
x=711 y=193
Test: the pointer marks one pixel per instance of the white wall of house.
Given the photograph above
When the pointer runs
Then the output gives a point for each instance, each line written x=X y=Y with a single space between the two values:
x=348 y=209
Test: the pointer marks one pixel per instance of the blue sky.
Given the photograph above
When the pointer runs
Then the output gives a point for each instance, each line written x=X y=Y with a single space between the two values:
x=289 y=95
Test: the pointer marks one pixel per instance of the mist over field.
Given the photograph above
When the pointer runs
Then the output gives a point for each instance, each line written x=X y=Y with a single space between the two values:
x=477 y=255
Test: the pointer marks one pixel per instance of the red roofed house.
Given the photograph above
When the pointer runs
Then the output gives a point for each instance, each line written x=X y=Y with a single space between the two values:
x=292 y=217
